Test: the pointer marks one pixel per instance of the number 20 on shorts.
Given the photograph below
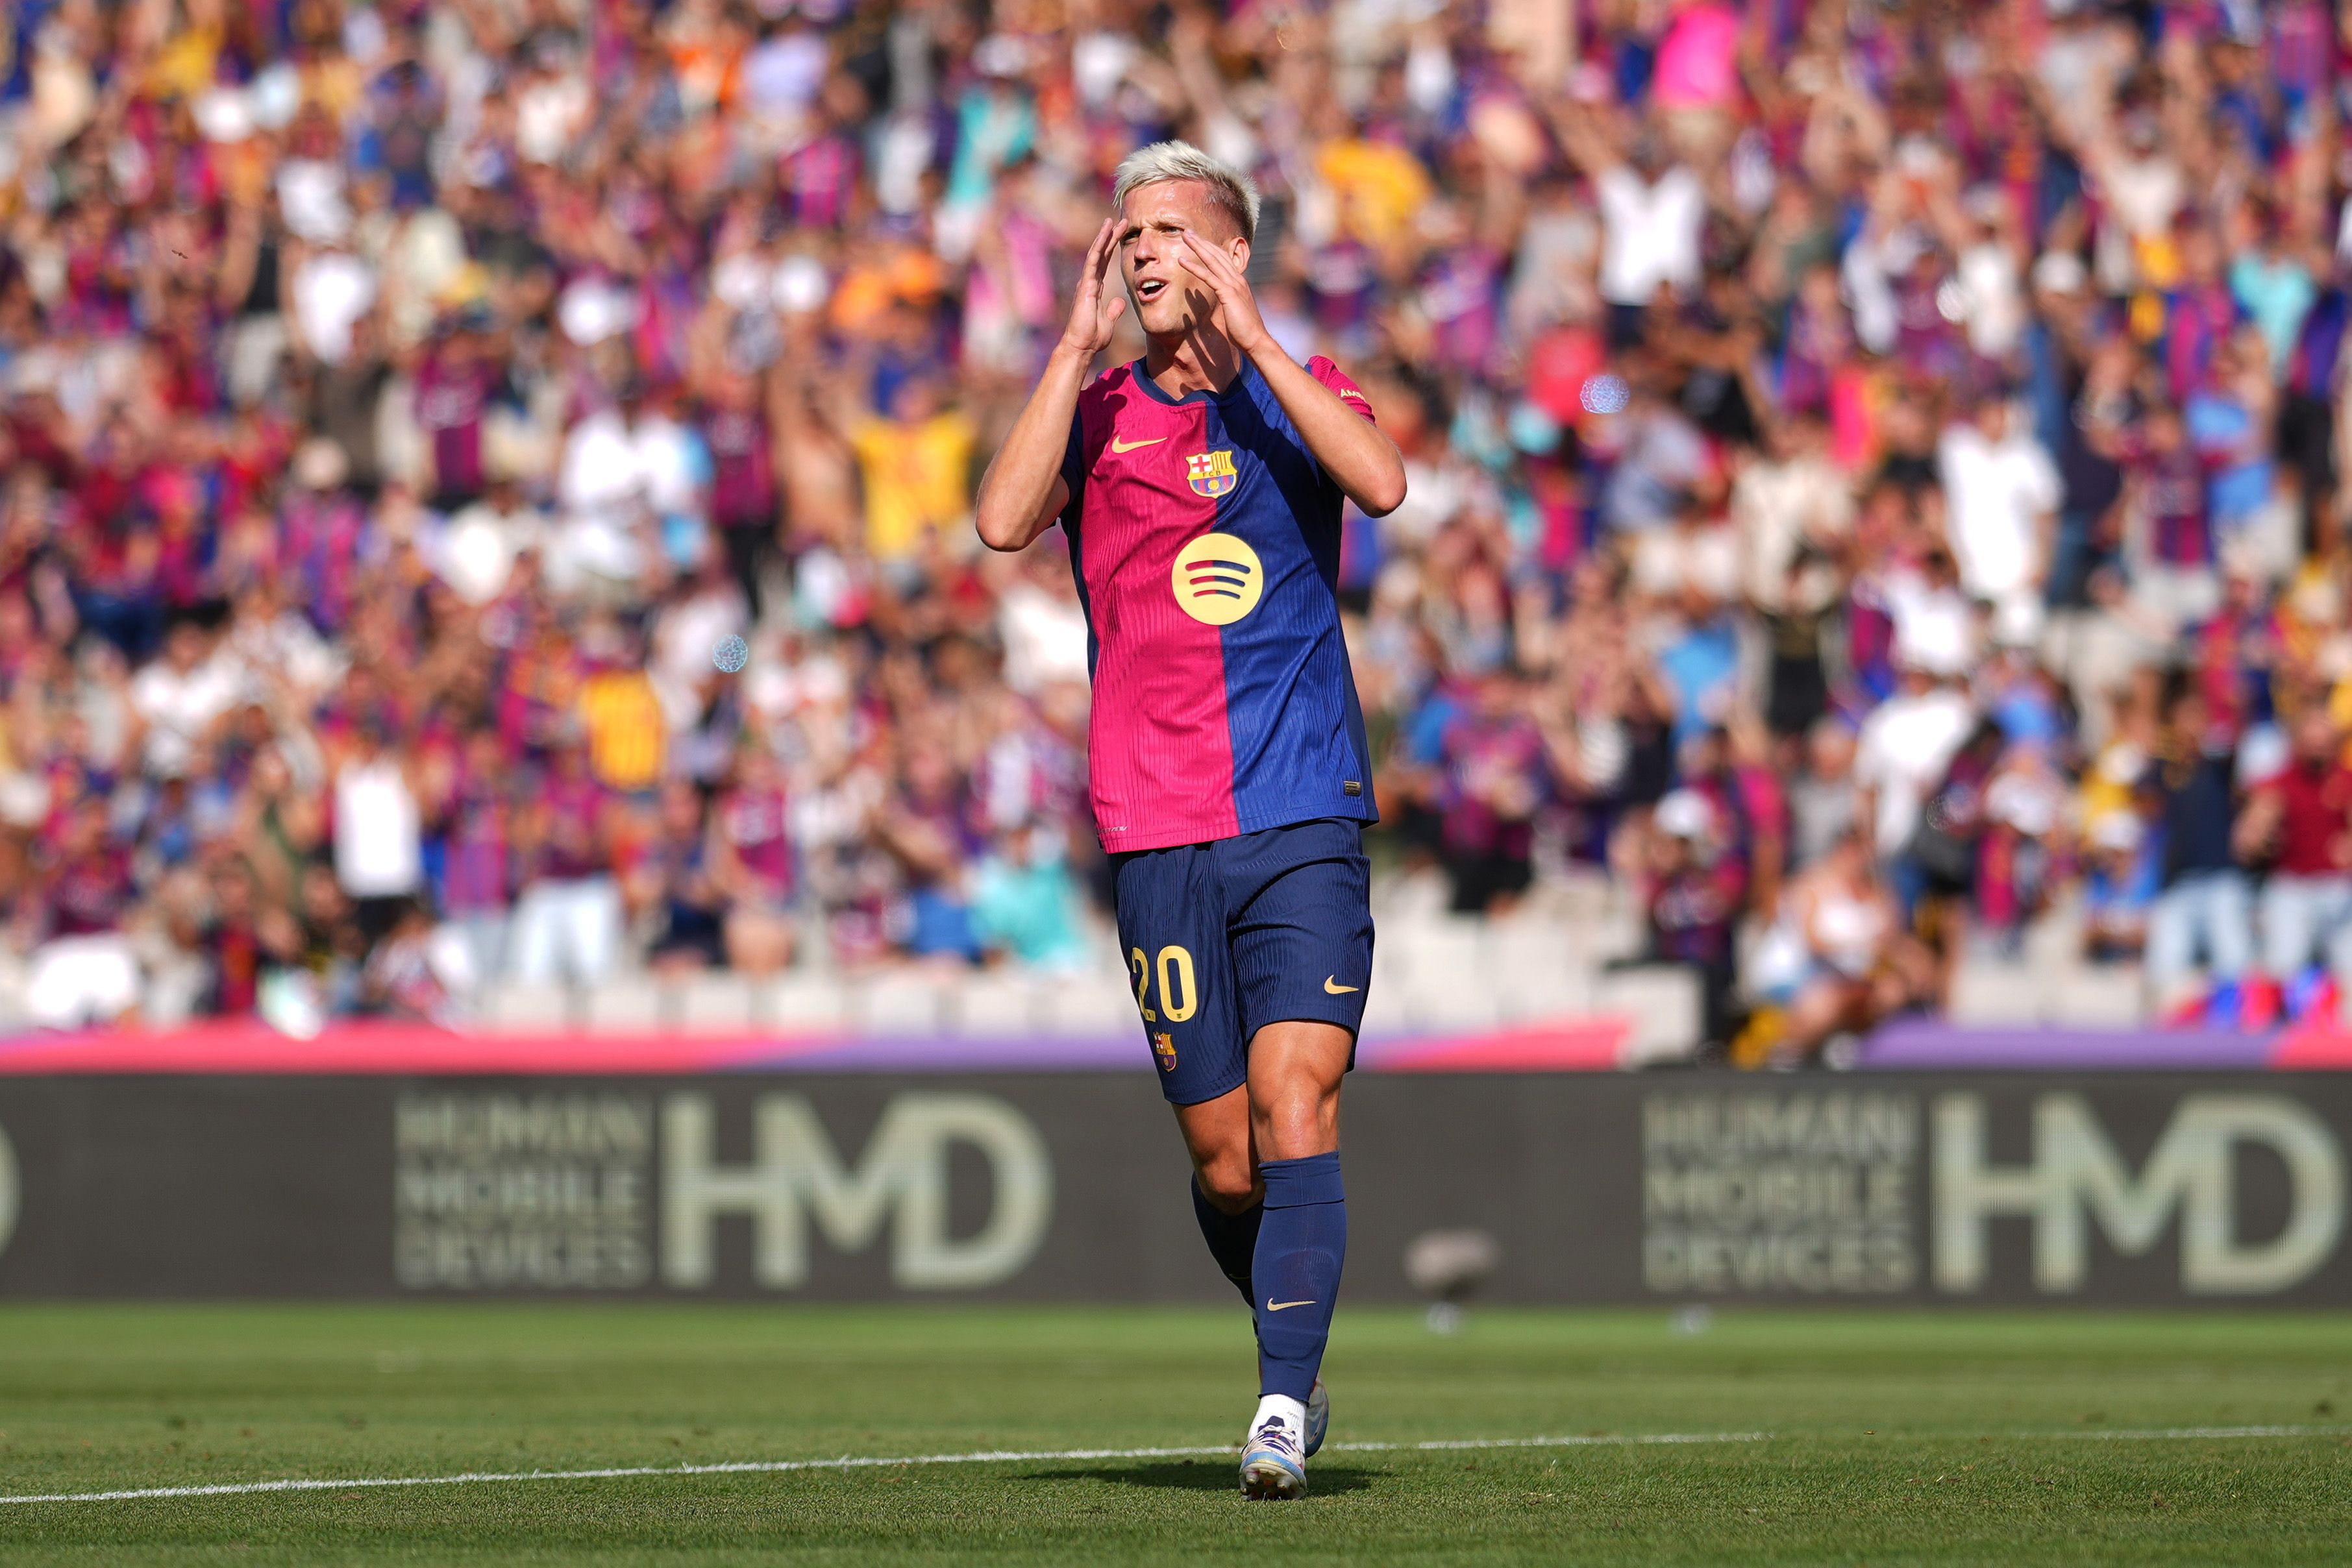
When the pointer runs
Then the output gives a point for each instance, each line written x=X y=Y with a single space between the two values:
x=1178 y=998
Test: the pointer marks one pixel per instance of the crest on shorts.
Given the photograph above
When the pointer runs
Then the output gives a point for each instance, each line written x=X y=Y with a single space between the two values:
x=1211 y=474
x=1164 y=1051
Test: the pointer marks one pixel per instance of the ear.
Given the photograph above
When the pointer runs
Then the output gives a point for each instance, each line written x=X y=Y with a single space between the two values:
x=1239 y=249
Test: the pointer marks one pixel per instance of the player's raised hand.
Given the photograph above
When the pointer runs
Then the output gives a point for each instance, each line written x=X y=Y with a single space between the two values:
x=1237 y=315
x=1097 y=308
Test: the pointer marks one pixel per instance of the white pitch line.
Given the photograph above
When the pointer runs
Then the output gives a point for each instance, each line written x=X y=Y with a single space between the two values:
x=2179 y=1433
x=1031 y=1455
x=779 y=1466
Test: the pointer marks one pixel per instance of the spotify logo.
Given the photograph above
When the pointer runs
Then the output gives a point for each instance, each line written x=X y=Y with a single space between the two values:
x=1217 y=579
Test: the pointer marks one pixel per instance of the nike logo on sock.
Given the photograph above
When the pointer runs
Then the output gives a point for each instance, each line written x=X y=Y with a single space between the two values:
x=1331 y=983
x=1119 y=446
x=1274 y=1306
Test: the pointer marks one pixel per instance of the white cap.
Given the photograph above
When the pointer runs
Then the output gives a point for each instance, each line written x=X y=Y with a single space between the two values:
x=1685 y=814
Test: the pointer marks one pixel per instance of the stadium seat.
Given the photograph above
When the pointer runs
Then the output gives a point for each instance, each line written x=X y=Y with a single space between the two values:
x=1562 y=989
x=1993 y=992
x=1604 y=938
x=520 y=1007
x=1664 y=1006
x=632 y=1004
x=1515 y=949
x=715 y=1002
x=1446 y=950
x=1093 y=1005
x=801 y=1004
x=1384 y=1010
x=998 y=1002
x=2100 y=998
x=1435 y=1003
x=900 y=1004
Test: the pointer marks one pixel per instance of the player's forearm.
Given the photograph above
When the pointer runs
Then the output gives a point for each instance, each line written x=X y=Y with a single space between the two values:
x=1016 y=494
x=1362 y=460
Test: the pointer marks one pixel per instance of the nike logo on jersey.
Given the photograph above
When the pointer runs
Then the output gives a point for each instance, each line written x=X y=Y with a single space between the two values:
x=1119 y=446
x=1274 y=1306
x=1331 y=983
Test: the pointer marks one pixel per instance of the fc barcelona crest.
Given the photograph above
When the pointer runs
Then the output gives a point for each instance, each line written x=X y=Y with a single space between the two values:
x=1211 y=473
x=1163 y=1051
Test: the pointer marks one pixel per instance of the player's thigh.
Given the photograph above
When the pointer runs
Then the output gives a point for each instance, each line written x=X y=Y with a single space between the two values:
x=1296 y=1067
x=1302 y=926
x=1171 y=936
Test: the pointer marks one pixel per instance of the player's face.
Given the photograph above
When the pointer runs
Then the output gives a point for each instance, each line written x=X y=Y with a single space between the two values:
x=1169 y=298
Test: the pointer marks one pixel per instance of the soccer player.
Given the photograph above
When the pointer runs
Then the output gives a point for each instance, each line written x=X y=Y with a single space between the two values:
x=1200 y=487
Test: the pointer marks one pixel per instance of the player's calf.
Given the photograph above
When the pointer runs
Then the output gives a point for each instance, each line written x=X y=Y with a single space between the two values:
x=1295 y=1276
x=1230 y=1232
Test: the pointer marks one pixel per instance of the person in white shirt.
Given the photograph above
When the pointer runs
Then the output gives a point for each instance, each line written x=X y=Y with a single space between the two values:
x=1908 y=741
x=177 y=699
x=1652 y=209
x=476 y=550
x=329 y=290
x=379 y=838
x=1785 y=501
x=624 y=470
x=2001 y=493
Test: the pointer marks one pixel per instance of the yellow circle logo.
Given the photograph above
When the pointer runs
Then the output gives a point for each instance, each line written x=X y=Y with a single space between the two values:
x=1217 y=579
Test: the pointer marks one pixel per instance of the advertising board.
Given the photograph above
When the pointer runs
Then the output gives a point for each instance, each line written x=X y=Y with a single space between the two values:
x=2107 y=1188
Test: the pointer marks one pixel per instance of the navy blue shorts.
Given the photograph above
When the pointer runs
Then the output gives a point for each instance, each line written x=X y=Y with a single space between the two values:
x=1224 y=938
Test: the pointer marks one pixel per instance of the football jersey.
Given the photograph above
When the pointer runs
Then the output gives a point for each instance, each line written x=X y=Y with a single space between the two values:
x=1205 y=540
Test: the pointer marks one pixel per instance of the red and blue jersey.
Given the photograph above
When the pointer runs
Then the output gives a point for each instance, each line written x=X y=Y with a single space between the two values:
x=1205 y=540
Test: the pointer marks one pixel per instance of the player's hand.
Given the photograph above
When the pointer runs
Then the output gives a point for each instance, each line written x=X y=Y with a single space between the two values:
x=1237 y=315
x=1095 y=310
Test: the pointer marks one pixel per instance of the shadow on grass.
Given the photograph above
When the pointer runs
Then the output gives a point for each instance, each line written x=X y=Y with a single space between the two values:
x=1210 y=1474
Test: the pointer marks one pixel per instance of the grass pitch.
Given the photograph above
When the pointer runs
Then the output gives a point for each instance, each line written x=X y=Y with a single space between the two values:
x=1889 y=1437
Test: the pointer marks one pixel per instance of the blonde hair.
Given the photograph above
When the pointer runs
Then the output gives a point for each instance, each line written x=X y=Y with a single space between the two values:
x=1232 y=192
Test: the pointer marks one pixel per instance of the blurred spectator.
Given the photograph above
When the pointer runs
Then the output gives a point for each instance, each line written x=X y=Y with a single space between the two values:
x=404 y=977
x=84 y=970
x=675 y=883
x=378 y=861
x=2206 y=906
x=1024 y=902
x=2119 y=888
x=2297 y=823
x=1837 y=960
x=1822 y=797
x=567 y=920
x=1691 y=891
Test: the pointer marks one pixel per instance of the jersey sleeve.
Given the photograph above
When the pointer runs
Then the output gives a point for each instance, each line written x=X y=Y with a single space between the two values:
x=1332 y=376
x=1073 y=467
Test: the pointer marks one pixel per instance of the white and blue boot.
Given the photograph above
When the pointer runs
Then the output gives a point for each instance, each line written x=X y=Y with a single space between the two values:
x=1274 y=1459
x=1319 y=1417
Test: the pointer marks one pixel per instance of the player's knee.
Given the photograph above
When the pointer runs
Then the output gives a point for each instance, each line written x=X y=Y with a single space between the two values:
x=1297 y=1123
x=1229 y=1184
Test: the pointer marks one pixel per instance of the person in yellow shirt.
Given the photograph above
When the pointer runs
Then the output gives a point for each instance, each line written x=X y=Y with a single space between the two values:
x=627 y=732
x=917 y=466
x=1381 y=188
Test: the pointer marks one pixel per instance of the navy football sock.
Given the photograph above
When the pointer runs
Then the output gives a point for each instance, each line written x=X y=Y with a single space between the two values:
x=1232 y=1239
x=1301 y=1244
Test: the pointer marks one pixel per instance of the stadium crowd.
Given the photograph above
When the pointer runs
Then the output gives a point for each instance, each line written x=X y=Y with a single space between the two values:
x=1873 y=477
